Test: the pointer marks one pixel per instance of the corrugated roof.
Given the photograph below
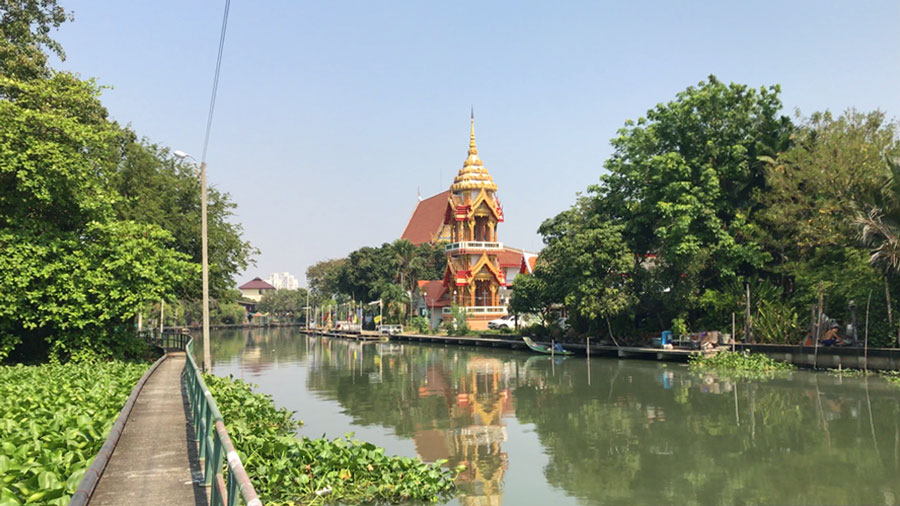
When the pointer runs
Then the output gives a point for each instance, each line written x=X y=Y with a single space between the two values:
x=256 y=283
x=427 y=219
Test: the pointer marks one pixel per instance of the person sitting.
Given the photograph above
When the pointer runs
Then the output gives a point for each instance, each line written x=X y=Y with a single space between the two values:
x=831 y=337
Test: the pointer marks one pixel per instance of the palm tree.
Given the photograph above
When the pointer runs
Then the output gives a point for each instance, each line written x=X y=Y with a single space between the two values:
x=405 y=257
x=879 y=228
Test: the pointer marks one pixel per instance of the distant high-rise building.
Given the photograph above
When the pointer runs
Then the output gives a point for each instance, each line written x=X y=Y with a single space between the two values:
x=283 y=281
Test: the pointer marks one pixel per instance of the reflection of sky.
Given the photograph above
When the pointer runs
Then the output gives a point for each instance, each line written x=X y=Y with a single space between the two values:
x=286 y=383
x=524 y=480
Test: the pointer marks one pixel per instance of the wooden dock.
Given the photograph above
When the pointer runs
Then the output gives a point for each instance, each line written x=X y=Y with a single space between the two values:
x=514 y=343
x=802 y=356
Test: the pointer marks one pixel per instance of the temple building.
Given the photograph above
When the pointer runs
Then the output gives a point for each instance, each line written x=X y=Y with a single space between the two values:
x=480 y=269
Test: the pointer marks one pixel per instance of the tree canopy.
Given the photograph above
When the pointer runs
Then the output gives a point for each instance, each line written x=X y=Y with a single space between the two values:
x=94 y=223
x=716 y=191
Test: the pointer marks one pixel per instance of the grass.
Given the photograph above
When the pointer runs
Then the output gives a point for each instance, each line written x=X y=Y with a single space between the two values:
x=287 y=470
x=53 y=421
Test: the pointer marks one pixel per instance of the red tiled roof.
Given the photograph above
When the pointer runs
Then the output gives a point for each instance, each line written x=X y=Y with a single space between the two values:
x=434 y=291
x=427 y=219
x=254 y=284
x=510 y=258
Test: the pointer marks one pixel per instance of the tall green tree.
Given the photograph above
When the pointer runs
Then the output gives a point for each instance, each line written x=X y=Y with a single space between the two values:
x=73 y=273
x=323 y=277
x=25 y=27
x=833 y=173
x=682 y=183
x=157 y=188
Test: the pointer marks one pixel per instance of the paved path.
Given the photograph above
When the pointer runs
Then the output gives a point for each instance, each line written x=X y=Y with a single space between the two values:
x=156 y=459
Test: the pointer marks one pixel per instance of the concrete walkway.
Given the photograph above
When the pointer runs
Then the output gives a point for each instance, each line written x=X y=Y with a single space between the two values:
x=156 y=460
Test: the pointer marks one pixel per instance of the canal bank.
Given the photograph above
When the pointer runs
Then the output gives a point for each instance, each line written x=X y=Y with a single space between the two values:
x=882 y=359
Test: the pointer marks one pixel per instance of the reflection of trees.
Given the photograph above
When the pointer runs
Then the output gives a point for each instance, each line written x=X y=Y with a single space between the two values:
x=641 y=443
x=639 y=433
x=257 y=348
x=450 y=404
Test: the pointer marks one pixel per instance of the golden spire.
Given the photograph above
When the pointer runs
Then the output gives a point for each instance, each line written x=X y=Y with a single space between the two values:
x=473 y=175
x=473 y=149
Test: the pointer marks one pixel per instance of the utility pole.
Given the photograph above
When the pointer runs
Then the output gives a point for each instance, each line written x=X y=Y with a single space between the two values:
x=307 y=308
x=205 y=266
x=162 y=310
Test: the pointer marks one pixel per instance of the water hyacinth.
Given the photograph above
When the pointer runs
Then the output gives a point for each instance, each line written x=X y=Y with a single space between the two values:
x=738 y=364
x=288 y=470
x=53 y=421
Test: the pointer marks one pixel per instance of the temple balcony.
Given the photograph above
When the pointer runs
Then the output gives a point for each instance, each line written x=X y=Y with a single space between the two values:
x=474 y=246
x=500 y=310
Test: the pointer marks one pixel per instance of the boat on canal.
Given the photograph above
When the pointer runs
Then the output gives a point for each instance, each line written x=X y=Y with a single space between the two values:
x=540 y=348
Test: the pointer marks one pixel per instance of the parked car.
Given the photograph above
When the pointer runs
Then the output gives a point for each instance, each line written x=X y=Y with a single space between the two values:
x=504 y=322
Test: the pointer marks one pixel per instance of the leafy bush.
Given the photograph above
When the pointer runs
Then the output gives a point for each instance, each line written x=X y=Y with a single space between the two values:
x=737 y=364
x=288 y=470
x=457 y=326
x=776 y=323
x=53 y=421
x=421 y=324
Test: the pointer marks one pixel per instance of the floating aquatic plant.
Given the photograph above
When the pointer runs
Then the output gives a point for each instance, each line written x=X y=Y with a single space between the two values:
x=53 y=421
x=738 y=364
x=285 y=469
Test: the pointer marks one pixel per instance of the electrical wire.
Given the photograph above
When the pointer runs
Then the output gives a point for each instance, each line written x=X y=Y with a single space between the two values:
x=215 y=88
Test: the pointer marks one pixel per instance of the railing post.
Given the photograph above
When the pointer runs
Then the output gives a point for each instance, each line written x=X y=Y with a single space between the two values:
x=214 y=464
x=232 y=490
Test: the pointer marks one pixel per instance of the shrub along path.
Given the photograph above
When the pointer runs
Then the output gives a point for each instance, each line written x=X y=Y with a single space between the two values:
x=156 y=459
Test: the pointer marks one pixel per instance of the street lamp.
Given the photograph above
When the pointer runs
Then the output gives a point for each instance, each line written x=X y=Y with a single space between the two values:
x=204 y=262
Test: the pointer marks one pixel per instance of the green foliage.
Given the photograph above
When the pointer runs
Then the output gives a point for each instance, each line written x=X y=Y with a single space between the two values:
x=73 y=273
x=366 y=271
x=24 y=35
x=284 y=302
x=680 y=327
x=157 y=188
x=285 y=469
x=777 y=323
x=323 y=277
x=421 y=324
x=458 y=325
x=681 y=184
x=53 y=421
x=737 y=364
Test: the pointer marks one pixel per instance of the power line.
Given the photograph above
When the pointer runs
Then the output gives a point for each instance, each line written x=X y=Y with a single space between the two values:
x=215 y=88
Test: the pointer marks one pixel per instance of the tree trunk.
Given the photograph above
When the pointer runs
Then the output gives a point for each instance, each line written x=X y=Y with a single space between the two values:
x=887 y=296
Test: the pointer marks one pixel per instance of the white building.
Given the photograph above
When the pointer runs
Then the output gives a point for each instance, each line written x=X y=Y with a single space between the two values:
x=283 y=281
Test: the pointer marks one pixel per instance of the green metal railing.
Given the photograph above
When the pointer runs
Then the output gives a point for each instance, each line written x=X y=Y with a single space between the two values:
x=166 y=340
x=216 y=449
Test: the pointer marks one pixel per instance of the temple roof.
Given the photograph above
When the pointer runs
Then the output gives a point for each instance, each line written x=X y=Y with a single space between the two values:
x=510 y=257
x=473 y=175
x=427 y=219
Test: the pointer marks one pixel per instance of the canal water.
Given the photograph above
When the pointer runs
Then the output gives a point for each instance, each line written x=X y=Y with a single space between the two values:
x=536 y=430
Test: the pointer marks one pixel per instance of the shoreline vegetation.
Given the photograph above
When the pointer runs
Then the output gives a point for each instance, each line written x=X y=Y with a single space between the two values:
x=54 y=418
x=287 y=470
x=738 y=365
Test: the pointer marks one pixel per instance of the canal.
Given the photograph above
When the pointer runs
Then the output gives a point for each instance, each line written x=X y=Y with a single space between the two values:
x=536 y=430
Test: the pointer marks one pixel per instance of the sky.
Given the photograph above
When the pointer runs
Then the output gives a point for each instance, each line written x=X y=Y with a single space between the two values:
x=332 y=116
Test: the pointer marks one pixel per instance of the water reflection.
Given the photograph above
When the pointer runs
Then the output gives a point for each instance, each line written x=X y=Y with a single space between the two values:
x=617 y=432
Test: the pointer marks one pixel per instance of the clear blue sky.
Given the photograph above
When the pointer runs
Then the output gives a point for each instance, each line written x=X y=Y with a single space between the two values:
x=330 y=115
